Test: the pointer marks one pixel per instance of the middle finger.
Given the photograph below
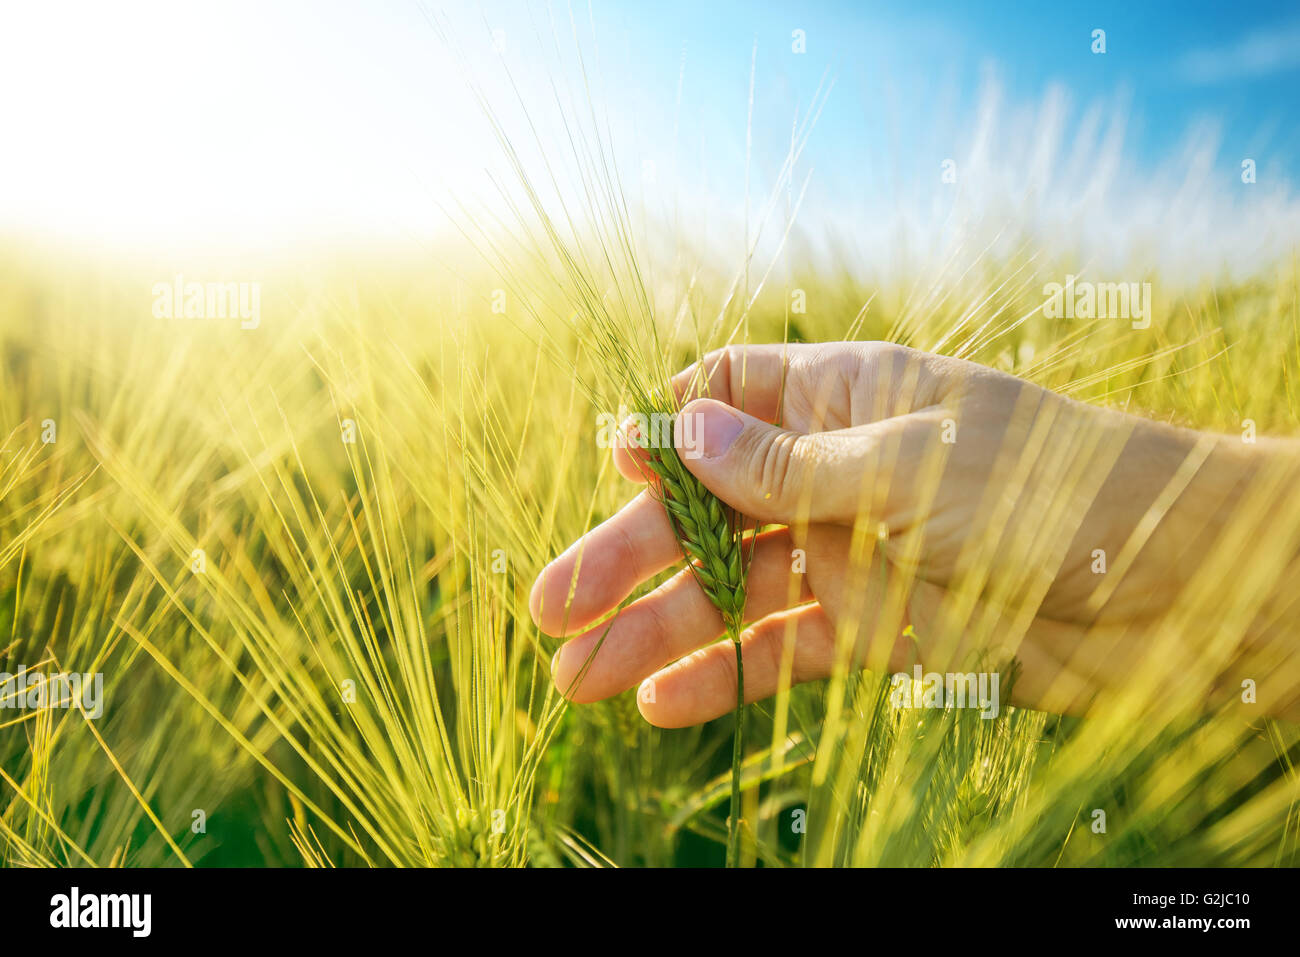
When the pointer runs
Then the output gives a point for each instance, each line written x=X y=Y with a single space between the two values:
x=671 y=621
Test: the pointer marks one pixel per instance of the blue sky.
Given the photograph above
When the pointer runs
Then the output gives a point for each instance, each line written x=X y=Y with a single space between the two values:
x=1174 y=64
x=1189 y=89
x=243 y=119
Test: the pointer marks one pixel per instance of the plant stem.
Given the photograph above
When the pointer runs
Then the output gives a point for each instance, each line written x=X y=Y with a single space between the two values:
x=737 y=752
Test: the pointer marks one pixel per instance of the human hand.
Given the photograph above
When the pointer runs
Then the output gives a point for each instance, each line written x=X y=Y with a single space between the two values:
x=992 y=500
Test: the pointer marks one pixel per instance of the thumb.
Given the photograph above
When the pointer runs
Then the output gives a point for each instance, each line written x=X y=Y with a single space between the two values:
x=774 y=475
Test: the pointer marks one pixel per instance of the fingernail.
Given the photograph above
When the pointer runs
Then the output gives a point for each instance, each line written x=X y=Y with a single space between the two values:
x=630 y=433
x=708 y=430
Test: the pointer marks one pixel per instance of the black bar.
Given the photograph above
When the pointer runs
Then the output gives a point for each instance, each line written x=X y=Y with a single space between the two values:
x=209 y=907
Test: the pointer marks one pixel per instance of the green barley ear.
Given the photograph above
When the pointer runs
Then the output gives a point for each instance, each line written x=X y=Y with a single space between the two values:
x=710 y=534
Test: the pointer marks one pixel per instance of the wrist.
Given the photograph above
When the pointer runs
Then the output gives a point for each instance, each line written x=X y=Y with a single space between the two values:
x=1243 y=598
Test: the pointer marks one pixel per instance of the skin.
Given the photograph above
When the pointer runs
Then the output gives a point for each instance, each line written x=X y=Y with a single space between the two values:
x=861 y=425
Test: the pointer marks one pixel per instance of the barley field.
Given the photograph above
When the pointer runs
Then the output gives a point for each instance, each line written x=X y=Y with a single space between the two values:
x=295 y=537
x=301 y=557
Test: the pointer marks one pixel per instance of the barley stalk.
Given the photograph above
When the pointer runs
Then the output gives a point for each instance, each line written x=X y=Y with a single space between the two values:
x=710 y=535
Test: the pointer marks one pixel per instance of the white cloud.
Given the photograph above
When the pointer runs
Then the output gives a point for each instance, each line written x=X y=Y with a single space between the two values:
x=1256 y=54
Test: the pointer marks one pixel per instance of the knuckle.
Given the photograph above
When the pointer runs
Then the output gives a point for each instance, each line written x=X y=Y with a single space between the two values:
x=658 y=629
x=769 y=644
x=724 y=666
x=765 y=643
x=720 y=362
x=877 y=354
x=629 y=555
x=777 y=458
x=707 y=375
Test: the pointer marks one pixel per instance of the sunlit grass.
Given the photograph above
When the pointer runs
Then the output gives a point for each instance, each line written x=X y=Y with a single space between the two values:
x=401 y=562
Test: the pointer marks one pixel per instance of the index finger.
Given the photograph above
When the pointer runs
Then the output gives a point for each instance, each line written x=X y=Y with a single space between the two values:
x=751 y=378
x=603 y=567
